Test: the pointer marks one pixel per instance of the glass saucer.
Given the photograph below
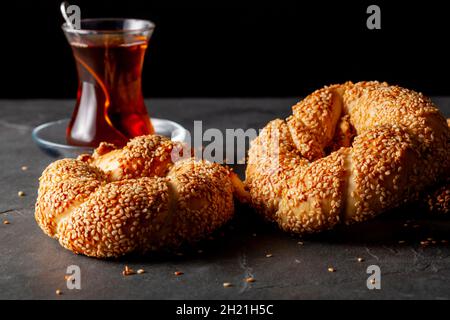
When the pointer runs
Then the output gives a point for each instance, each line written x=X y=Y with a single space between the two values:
x=51 y=137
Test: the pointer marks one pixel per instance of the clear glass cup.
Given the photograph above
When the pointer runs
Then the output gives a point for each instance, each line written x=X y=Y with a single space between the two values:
x=109 y=55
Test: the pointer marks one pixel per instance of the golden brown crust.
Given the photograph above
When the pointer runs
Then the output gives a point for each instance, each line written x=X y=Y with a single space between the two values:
x=401 y=147
x=313 y=121
x=63 y=184
x=133 y=199
x=204 y=194
x=143 y=156
x=116 y=219
x=272 y=160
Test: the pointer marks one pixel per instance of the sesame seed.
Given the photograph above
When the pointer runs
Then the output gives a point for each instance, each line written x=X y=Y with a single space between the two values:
x=140 y=271
x=6 y=222
x=58 y=292
x=67 y=277
x=331 y=269
x=24 y=168
x=178 y=273
x=360 y=259
x=250 y=279
x=227 y=285
x=269 y=255
x=127 y=271
x=21 y=194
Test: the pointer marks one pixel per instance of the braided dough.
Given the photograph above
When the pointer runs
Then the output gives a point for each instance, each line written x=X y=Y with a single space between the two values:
x=347 y=153
x=133 y=199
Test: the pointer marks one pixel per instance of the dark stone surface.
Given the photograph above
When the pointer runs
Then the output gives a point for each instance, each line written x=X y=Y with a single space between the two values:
x=32 y=265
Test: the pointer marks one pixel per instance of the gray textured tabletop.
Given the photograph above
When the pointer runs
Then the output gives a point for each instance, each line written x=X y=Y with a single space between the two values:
x=33 y=266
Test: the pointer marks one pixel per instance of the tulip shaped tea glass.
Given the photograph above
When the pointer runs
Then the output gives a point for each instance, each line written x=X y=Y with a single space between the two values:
x=109 y=55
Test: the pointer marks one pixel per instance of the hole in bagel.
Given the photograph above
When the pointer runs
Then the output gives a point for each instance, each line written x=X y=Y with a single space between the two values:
x=344 y=134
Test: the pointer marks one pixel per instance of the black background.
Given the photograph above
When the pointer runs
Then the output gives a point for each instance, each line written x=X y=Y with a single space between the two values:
x=230 y=48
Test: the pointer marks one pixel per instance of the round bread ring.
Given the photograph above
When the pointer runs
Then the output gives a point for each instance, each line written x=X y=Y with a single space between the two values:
x=119 y=201
x=400 y=147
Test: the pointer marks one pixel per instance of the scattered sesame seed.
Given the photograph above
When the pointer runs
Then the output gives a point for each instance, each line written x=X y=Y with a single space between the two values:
x=331 y=269
x=178 y=273
x=300 y=243
x=269 y=255
x=140 y=271
x=127 y=271
x=58 y=292
x=250 y=279
x=227 y=284
x=6 y=222
x=68 y=277
x=360 y=259
x=372 y=281
x=21 y=194
x=24 y=168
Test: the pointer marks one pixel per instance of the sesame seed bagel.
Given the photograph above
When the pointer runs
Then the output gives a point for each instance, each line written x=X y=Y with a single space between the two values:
x=134 y=199
x=347 y=153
